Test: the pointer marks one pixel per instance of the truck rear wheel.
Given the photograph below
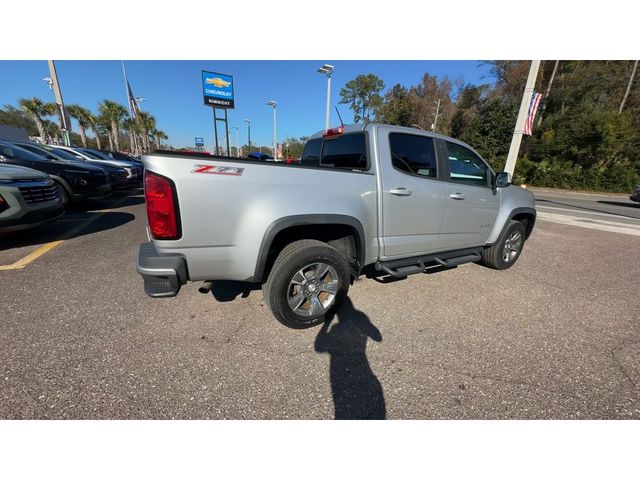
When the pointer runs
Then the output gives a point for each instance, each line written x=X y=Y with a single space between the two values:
x=308 y=281
x=507 y=249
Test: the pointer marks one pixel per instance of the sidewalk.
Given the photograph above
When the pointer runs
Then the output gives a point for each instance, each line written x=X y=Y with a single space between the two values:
x=577 y=192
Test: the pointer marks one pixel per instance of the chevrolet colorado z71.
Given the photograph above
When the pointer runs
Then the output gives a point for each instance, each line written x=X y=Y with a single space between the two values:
x=389 y=198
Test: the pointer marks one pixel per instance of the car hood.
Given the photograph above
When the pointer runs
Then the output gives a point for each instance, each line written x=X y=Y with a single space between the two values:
x=79 y=164
x=16 y=172
x=115 y=163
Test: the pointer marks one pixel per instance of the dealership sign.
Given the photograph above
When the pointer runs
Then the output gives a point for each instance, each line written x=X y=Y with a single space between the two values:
x=217 y=89
x=199 y=142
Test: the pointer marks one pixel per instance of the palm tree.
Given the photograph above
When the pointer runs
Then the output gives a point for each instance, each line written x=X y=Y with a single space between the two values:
x=159 y=135
x=51 y=131
x=93 y=124
x=37 y=109
x=104 y=126
x=113 y=113
x=53 y=108
x=82 y=116
x=147 y=123
x=131 y=126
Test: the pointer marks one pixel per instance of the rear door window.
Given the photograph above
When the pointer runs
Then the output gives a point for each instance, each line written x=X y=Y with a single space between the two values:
x=413 y=154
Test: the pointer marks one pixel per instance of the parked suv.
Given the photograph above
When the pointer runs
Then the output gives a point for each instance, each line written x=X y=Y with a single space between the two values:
x=118 y=176
x=393 y=200
x=28 y=198
x=134 y=169
x=77 y=181
x=121 y=156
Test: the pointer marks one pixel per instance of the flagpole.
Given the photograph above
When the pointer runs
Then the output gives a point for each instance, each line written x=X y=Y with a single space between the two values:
x=126 y=89
x=522 y=116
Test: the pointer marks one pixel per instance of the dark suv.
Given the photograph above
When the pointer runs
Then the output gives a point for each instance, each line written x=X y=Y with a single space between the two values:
x=76 y=181
x=121 y=156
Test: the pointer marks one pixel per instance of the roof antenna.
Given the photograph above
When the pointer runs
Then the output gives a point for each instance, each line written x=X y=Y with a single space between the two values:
x=341 y=122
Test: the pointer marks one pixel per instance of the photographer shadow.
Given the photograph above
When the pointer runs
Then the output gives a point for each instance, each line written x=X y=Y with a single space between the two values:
x=357 y=392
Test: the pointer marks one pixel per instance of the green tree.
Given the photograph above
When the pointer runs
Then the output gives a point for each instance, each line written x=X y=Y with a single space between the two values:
x=396 y=108
x=424 y=99
x=362 y=94
x=94 y=125
x=103 y=122
x=10 y=115
x=293 y=147
x=37 y=110
x=82 y=116
x=132 y=128
x=147 y=124
x=158 y=136
x=51 y=130
x=113 y=113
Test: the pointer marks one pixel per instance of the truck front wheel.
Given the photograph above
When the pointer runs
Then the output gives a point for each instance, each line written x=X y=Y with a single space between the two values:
x=507 y=249
x=308 y=281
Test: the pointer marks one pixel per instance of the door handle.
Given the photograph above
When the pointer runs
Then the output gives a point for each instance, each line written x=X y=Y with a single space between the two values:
x=457 y=196
x=400 y=191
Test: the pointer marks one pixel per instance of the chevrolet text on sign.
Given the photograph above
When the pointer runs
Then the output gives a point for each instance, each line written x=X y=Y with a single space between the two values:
x=217 y=89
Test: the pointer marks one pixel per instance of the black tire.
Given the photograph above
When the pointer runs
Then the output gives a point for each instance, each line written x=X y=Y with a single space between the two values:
x=293 y=258
x=494 y=256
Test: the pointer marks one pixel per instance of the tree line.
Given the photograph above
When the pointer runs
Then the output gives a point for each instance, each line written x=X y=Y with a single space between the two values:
x=111 y=125
x=586 y=134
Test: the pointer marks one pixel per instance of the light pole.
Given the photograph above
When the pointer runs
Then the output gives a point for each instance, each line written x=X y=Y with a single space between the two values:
x=437 y=115
x=273 y=104
x=327 y=70
x=237 y=144
x=248 y=120
x=63 y=114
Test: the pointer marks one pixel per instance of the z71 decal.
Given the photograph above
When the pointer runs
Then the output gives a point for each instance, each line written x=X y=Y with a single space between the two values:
x=218 y=170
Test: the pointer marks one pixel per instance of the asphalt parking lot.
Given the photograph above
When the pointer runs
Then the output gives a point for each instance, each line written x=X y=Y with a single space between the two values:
x=555 y=337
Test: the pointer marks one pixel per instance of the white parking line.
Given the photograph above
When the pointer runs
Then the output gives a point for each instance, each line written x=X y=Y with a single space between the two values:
x=585 y=212
x=23 y=262
x=594 y=224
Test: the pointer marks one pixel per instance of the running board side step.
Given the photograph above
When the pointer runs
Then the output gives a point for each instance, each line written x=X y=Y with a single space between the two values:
x=408 y=266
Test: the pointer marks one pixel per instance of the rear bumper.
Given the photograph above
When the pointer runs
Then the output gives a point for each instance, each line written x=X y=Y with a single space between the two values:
x=163 y=275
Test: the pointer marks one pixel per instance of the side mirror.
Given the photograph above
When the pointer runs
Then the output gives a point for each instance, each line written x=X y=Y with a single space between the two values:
x=502 y=179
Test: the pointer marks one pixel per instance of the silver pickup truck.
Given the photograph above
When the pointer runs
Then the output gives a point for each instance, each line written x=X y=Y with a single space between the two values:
x=365 y=198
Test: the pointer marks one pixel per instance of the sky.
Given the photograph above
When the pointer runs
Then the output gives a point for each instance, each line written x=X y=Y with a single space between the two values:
x=173 y=90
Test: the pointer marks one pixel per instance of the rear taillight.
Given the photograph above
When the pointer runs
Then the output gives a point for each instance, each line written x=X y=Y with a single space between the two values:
x=162 y=207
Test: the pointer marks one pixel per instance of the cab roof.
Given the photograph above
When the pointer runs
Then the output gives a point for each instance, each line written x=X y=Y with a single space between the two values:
x=361 y=127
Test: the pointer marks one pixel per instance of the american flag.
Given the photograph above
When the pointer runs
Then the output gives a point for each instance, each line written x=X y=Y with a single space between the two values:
x=533 y=108
x=135 y=111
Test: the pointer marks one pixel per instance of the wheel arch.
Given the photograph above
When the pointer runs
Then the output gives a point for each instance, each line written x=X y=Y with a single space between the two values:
x=64 y=184
x=344 y=232
x=525 y=215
